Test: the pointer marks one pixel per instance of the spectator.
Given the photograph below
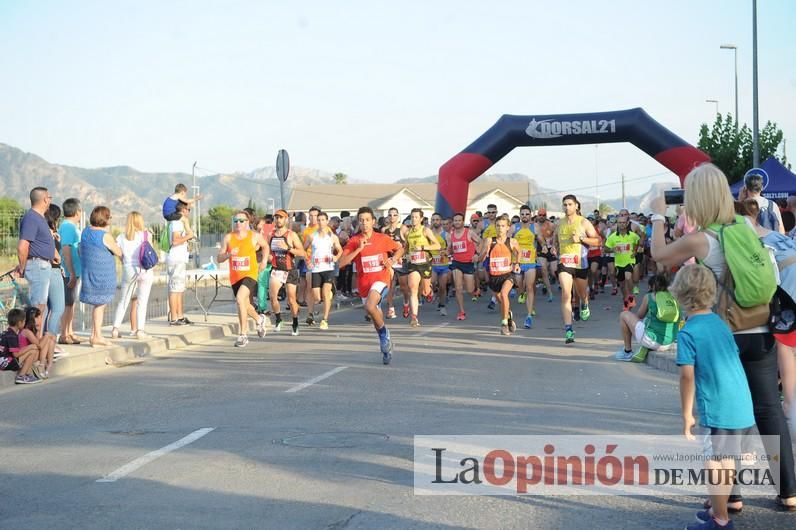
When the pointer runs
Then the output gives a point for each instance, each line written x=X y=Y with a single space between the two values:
x=70 y=239
x=97 y=251
x=648 y=330
x=708 y=201
x=177 y=263
x=792 y=210
x=136 y=282
x=36 y=248
x=180 y=196
x=45 y=344
x=55 y=297
x=769 y=216
x=12 y=356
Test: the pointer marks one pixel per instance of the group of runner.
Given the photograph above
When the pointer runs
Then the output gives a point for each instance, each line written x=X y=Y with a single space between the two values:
x=424 y=260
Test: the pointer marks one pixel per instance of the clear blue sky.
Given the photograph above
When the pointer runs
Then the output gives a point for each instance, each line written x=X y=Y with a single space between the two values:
x=378 y=90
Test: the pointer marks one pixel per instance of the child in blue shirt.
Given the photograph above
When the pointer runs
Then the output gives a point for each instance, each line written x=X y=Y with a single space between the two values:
x=711 y=374
x=170 y=204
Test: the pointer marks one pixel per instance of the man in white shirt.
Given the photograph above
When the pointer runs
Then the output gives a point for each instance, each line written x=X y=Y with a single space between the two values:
x=177 y=263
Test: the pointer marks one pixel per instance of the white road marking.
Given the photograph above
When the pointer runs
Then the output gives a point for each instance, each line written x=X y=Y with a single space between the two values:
x=149 y=457
x=432 y=330
x=314 y=380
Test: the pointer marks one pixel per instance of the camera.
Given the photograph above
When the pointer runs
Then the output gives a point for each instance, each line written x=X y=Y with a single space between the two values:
x=674 y=196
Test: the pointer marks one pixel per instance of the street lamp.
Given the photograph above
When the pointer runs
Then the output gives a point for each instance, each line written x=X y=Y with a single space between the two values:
x=716 y=101
x=755 y=135
x=734 y=48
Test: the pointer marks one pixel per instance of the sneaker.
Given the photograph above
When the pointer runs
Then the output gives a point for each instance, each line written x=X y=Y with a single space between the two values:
x=704 y=516
x=141 y=334
x=294 y=329
x=391 y=313
x=325 y=324
x=310 y=321
x=58 y=354
x=385 y=342
x=37 y=370
x=443 y=311
x=569 y=337
x=278 y=326
x=28 y=379
x=593 y=294
x=533 y=312
x=406 y=311
x=430 y=297
x=367 y=318
x=521 y=299
x=242 y=341
x=176 y=323
x=512 y=293
x=474 y=298
x=544 y=289
x=261 y=331
x=635 y=290
x=302 y=304
x=504 y=329
x=414 y=323
x=585 y=313
x=550 y=297
x=512 y=324
x=186 y=322
x=614 y=291
x=710 y=524
x=461 y=316
x=528 y=322
x=576 y=314
x=491 y=305
x=622 y=355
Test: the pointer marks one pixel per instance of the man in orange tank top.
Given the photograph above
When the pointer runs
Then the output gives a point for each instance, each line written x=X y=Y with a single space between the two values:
x=502 y=252
x=240 y=247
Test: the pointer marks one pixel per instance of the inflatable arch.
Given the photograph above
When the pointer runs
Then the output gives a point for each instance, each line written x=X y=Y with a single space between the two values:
x=633 y=125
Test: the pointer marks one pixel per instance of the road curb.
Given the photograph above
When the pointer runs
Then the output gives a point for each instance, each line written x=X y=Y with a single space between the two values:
x=663 y=360
x=131 y=351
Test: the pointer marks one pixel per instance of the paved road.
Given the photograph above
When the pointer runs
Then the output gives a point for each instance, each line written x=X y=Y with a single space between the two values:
x=338 y=453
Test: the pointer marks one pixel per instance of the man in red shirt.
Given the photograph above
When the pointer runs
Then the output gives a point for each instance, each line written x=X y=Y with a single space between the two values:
x=374 y=254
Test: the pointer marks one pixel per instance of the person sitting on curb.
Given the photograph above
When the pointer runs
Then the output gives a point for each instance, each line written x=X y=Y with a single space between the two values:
x=16 y=358
x=655 y=327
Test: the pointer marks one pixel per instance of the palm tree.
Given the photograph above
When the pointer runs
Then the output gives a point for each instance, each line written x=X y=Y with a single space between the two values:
x=340 y=178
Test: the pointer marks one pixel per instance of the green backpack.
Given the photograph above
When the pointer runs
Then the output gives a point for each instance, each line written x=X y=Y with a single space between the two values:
x=668 y=309
x=165 y=239
x=748 y=261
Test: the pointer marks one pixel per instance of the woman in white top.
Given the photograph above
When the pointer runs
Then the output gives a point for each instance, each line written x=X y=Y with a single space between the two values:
x=326 y=250
x=708 y=200
x=136 y=282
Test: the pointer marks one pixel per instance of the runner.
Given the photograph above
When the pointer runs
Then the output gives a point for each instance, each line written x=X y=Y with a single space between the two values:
x=285 y=247
x=594 y=256
x=624 y=245
x=420 y=240
x=573 y=235
x=462 y=245
x=547 y=256
x=370 y=251
x=399 y=270
x=309 y=297
x=241 y=247
x=440 y=266
x=609 y=268
x=525 y=235
x=502 y=252
x=325 y=250
x=489 y=232
x=480 y=272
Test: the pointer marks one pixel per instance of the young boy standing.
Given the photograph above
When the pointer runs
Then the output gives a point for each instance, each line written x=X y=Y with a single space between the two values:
x=711 y=374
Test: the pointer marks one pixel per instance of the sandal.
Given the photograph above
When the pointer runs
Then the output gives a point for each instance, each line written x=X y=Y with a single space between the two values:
x=66 y=340
x=786 y=507
x=733 y=506
x=74 y=339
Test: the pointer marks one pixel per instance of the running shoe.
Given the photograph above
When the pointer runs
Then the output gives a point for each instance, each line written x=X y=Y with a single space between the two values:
x=593 y=294
x=367 y=318
x=622 y=355
x=635 y=290
x=430 y=297
x=406 y=311
x=544 y=289
x=294 y=330
x=491 y=305
x=521 y=299
x=385 y=344
x=325 y=324
x=414 y=323
x=176 y=323
x=512 y=324
x=310 y=321
x=710 y=524
x=461 y=316
x=242 y=341
x=261 y=331
x=37 y=370
x=512 y=293
x=28 y=379
x=533 y=312
x=504 y=329
x=186 y=322
x=569 y=337
x=528 y=322
x=443 y=311
x=474 y=298
x=576 y=314
x=278 y=326
x=550 y=297
x=614 y=291
x=391 y=313
x=585 y=313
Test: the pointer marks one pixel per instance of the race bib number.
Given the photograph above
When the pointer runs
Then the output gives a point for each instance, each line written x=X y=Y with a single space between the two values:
x=317 y=262
x=372 y=264
x=240 y=264
x=570 y=260
x=500 y=265
x=623 y=247
x=419 y=256
x=279 y=276
x=436 y=260
x=459 y=247
x=526 y=255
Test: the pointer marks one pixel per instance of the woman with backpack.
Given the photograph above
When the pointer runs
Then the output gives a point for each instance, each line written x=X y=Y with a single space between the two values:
x=721 y=239
x=136 y=280
x=655 y=327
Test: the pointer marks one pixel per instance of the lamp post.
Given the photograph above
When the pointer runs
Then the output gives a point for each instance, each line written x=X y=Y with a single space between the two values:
x=734 y=48
x=755 y=132
x=716 y=101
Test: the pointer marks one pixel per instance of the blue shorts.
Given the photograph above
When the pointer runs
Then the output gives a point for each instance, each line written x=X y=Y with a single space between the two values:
x=466 y=268
x=302 y=268
x=525 y=267
x=440 y=269
x=38 y=273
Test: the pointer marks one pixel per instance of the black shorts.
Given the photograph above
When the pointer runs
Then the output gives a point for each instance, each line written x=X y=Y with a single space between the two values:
x=466 y=268
x=8 y=363
x=320 y=278
x=639 y=258
x=580 y=274
x=250 y=283
x=605 y=260
x=621 y=271
x=70 y=295
x=496 y=282
x=424 y=269
x=402 y=271
x=549 y=256
x=292 y=276
x=595 y=260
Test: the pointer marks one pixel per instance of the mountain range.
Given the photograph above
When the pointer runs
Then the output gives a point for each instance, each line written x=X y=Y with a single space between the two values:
x=124 y=188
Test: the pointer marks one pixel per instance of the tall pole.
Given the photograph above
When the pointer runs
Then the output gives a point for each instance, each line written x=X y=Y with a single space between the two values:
x=624 y=202
x=596 y=178
x=716 y=101
x=755 y=132
x=734 y=48
x=195 y=216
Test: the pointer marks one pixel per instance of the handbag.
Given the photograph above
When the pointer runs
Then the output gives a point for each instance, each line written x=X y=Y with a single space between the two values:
x=147 y=256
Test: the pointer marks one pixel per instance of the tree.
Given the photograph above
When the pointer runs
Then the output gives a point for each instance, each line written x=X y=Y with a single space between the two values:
x=218 y=219
x=605 y=209
x=730 y=148
x=10 y=214
x=340 y=178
